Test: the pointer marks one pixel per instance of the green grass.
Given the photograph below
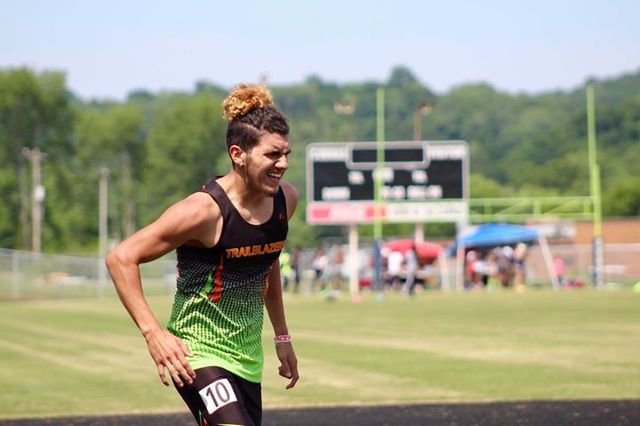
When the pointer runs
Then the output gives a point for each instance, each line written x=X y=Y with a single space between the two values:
x=85 y=357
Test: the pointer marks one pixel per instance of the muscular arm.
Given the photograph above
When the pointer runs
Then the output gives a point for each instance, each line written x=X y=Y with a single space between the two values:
x=191 y=219
x=275 y=305
x=275 y=308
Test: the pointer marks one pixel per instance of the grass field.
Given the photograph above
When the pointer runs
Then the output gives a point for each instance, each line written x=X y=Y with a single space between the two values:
x=85 y=357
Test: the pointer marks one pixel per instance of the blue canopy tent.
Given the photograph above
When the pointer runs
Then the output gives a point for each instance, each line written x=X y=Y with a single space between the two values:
x=499 y=234
x=496 y=234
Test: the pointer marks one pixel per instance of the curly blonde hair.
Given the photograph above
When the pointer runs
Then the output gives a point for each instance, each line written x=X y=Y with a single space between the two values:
x=244 y=98
x=251 y=112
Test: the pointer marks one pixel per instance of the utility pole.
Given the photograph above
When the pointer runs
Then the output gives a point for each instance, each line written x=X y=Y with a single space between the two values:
x=421 y=110
x=346 y=108
x=595 y=191
x=377 y=192
x=38 y=193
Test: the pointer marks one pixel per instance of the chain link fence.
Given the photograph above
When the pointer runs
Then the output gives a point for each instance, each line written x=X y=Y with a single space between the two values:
x=621 y=263
x=28 y=275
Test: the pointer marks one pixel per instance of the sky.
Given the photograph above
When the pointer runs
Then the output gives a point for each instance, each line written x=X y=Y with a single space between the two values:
x=109 y=48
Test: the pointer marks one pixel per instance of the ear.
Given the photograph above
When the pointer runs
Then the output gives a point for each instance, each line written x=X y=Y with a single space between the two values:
x=238 y=156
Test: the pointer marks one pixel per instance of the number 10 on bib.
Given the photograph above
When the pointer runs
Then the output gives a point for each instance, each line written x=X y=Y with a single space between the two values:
x=217 y=395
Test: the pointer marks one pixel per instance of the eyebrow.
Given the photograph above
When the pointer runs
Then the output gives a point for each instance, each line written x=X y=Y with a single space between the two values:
x=277 y=151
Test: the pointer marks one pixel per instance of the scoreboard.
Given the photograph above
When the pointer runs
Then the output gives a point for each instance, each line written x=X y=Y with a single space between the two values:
x=421 y=182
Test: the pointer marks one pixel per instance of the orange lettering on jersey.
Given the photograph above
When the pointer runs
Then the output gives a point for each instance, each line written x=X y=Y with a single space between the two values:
x=254 y=250
x=277 y=246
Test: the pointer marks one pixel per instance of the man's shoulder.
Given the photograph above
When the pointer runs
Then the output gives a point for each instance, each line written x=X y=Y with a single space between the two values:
x=200 y=205
x=288 y=188
x=290 y=195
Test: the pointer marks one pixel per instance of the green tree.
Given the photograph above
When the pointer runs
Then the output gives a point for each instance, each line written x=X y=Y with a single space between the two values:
x=35 y=112
x=111 y=137
x=162 y=146
x=623 y=198
x=186 y=148
x=484 y=187
x=402 y=77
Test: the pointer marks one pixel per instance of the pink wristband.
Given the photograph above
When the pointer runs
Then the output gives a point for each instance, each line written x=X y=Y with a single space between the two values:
x=283 y=338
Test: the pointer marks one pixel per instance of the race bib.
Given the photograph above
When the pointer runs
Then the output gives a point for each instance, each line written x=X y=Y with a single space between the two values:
x=217 y=395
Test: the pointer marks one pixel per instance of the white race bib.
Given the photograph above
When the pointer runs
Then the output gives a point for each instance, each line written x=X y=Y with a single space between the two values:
x=217 y=395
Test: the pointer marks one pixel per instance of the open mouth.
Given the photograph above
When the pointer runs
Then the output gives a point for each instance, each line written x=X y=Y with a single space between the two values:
x=274 y=176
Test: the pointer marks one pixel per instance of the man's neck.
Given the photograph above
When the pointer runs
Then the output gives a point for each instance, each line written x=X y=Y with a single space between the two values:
x=239 y=192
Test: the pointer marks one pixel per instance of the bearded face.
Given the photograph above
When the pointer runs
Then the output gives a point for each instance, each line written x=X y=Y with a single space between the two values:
x=266 y=163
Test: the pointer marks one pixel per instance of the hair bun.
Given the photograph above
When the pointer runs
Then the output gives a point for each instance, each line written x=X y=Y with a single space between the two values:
x=245 y=98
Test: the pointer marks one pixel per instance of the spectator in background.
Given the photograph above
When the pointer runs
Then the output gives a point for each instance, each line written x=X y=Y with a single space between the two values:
x=337 y=263
x=394 y=268
x=481 y=271
x=519 y=255
x=411 y=267
x=470 y=259
x=296 y=259
x=558 y=268
x=285 y=269
x=504 y=265
x=319 y=265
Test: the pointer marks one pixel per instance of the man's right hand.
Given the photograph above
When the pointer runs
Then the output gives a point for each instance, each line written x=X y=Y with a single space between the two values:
x=169 y=352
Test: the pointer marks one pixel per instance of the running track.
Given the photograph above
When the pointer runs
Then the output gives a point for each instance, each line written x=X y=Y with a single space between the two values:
x=538 y=413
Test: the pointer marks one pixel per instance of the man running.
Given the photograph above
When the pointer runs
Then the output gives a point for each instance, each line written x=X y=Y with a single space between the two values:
x=228 y=237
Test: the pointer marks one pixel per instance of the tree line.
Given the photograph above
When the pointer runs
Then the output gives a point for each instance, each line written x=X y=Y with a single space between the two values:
x=159 y=147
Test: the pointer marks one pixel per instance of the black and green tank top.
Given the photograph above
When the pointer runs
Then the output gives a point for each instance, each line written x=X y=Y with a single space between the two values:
x=219 y=302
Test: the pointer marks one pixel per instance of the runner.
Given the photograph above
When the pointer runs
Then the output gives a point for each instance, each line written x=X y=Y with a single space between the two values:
x=227 y=237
